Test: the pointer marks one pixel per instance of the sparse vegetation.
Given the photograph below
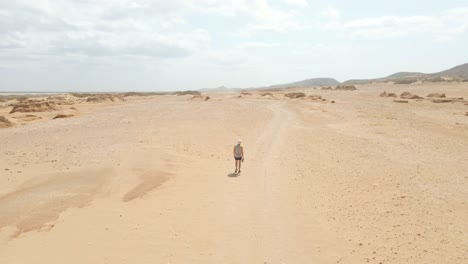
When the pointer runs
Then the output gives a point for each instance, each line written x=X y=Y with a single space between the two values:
x=100 y=98
x=436 y=79
x=143 y=93
x=345 y=88
x=295 y=95
x=438 y=95
x=408 y=95
x=83 y=95
x=187 y=93
x=406 y=81
x=385 y=94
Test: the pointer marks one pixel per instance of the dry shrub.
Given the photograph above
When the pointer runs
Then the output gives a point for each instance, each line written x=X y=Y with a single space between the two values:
x=406 y=81
x=295 y=95
x=440 y=101
x=200 y=97
x=102 y=98
x=438 y=95
x=143 y=93
x=408 y=95
x=385 y=94
x=187 y=93
x=345 y=88
x=436 y=79
x=315 y=97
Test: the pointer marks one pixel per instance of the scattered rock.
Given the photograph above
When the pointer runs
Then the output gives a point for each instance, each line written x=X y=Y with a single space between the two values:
x=408 y=95
x=295 y=95
x=438 y=95
x=328 y=88
x=4 y=122
x=400 y=101
x=385 y=94
x=34 y=106
x=332 y=102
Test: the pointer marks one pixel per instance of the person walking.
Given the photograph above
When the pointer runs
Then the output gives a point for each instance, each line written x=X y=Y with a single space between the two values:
x=238 y=154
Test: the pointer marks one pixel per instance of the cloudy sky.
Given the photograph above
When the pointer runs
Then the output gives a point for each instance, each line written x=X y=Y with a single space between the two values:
x=115 y=45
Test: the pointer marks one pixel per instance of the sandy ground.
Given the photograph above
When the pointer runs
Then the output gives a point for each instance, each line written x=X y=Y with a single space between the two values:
x=150 y=180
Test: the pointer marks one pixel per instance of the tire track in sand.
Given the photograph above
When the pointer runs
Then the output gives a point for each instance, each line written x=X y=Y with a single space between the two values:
x=266 y=217
x=251 y=198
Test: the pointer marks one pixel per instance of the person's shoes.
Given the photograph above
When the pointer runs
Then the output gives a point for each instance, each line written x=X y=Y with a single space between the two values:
x=238 y=171
x=235 y=171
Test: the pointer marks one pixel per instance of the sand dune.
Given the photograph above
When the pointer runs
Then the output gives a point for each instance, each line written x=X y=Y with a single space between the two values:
x=66 y=113
x=34 y=106
x=5 y=122
x=150 y=180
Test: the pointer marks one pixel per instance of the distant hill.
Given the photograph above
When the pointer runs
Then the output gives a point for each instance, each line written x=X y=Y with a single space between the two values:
x=458 y=73
x=307 y=83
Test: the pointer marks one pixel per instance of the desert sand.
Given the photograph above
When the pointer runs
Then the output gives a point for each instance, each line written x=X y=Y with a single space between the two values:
x=149 y=179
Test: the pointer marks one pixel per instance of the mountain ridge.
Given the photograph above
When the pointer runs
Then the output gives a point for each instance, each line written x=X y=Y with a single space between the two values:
x=457 y=73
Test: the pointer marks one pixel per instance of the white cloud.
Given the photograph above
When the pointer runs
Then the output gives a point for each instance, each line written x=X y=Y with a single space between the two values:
x=97 y=28
x=298 y=3
x=124 y=27
x=442 y=27
x=260 y=44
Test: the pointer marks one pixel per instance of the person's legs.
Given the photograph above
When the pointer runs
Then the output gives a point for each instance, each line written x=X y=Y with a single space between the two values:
x=240 y=163
x=235 y=162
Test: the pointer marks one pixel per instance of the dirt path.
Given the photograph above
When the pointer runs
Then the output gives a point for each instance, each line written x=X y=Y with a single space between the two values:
x=264 y=222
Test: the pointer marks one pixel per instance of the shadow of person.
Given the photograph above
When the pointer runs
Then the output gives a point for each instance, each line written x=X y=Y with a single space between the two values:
x=233 y=175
